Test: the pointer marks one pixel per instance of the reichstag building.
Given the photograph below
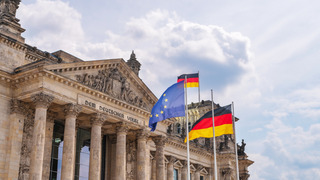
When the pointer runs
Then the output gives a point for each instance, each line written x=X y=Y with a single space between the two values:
x=65 y=118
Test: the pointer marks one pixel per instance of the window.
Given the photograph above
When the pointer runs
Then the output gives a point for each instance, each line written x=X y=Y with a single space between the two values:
x=56 y=152
x=175 y=174
x=178 y=128
x=82 y=155
x=201 y=178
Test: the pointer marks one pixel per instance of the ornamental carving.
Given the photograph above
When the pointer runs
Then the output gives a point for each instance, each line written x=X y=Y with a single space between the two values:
x=72 y=109
x=17 y=106
x=225 y=173
x=143 y=134
x=122 y=128
x=9 y=7
x=160 y=141
x=26 y=145
x=42 y=100
x=113 y=83
x=98 y=119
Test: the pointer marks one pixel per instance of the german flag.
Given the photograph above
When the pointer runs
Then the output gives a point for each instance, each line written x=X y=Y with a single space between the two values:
x=222 y=124
x=192 y=79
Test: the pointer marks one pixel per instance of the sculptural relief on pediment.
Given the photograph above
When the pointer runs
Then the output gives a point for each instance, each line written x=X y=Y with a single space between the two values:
x=113 y=83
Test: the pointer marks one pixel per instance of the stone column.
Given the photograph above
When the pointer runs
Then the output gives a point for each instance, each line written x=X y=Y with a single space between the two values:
x=184 y=170
x=48 y=144
x=160 y=142
x=172 y=160
x=197 y=172
x=95 y=146
x=122 y=130
x=153 y=166
x=142 y=154
x=42 y=102
x=69 y=141
x=16 y=117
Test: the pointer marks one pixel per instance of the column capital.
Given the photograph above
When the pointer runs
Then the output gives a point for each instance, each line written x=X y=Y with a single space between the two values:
x=51 y=116
x=42 y=100
x=143 y=134
x=160 y=141
x=17 y=106
x=72 y=109
x=122 y=127
x=184 y=163
x=171 y=159
x=98 y=119
x=199 y=167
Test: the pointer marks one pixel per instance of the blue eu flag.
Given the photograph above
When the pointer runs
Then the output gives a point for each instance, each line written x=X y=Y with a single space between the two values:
x=171 y=104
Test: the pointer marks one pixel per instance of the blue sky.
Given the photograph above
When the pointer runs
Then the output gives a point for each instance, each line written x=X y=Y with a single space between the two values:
x=263 y=55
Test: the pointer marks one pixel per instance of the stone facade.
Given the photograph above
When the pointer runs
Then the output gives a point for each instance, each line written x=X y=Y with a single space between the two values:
x=64 y=117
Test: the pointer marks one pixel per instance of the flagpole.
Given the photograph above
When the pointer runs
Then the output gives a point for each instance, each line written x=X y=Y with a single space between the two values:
x=214 y=140
x=199 y=86
x=187 y=126
x=235 y=140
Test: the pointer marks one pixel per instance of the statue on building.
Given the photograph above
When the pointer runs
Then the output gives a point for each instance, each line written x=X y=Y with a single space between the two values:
x=241 y=148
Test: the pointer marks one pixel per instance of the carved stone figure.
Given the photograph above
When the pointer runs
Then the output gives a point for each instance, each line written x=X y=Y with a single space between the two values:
x=111 y=81
x=9 y=7
x=241 y=148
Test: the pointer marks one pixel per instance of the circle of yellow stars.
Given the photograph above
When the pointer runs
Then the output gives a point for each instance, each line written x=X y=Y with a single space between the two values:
x=165 y=100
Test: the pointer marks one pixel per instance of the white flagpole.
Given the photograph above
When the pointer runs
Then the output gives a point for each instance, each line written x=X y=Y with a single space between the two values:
x=187 y=126
x=235 y=140
x=214 y=141
x=199 y=86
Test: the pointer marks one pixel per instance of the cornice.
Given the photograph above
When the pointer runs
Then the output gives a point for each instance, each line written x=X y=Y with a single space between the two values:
x=12 y=43
x=5 y=77
x=178 y=144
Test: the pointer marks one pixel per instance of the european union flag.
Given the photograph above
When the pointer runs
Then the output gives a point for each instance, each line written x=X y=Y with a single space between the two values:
x=171 y=104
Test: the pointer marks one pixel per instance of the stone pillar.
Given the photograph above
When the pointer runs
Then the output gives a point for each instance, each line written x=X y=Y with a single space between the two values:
x=160 y=142
x=172 y=160
x=48 y=144
x=69 y=141
x=95 y=146
x=184 y=170
x=142 y=154
x=15 y=138
x=197 y=172
x=122 y=130
x=42 y=102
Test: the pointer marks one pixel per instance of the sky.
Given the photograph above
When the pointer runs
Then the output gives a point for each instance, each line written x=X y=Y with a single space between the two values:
x=261 y=55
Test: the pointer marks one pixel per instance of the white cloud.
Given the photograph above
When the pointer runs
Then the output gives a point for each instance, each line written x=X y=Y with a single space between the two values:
x=51 y=25
x=165 y=44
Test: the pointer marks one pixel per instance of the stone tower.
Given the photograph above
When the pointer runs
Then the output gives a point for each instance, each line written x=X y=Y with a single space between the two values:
x=134 y=64
x=9 y=24
x=12 y=47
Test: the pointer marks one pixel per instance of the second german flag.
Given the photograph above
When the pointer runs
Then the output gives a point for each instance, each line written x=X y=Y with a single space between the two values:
x=222 y=124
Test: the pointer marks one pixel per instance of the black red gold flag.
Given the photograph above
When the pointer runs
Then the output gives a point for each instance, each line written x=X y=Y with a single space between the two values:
x=222 y=124
x=192 y=79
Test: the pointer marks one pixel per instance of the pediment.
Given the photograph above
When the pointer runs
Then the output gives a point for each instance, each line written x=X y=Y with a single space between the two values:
x=204 y=171
x=178 y=164
x=112 y=77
